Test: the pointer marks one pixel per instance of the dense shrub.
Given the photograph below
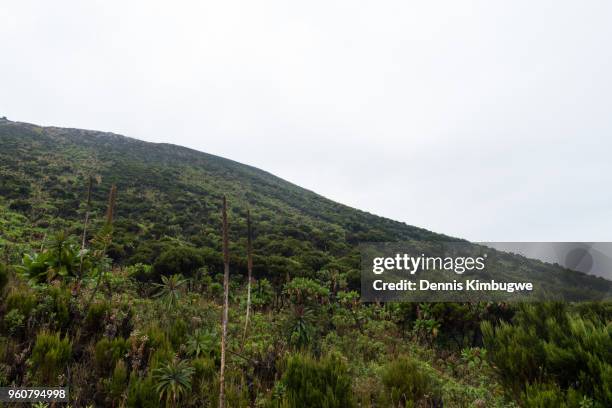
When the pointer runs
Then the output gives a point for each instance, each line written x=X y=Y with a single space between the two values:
x=215 y=290
x=205 y=371
x=96 y=315
x=118 y=381
x=305 y=291
x=108 y=352
x=3 y=277
x=594 y=310
x=159 y=346
x=141 y=272
x=263 y=293
x=157 y=338
x=147 y=252
x=204 y=343
x=54 y=307
x=141 y=392
x=14 y=322
x=551 y=396
x=22 y=300
x=173 y=381
x=23 y=206
x=58 y=260
x=312 y=383
x=406 y=382
x=50 y=356
x=178 y=332
x=180 y=260
x=547 y=344
x=459 y=323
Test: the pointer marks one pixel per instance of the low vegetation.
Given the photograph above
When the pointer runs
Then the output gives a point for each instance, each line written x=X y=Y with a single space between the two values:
x=132 y=316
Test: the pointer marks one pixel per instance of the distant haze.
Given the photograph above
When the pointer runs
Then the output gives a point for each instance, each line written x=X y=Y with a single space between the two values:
x=488 y=120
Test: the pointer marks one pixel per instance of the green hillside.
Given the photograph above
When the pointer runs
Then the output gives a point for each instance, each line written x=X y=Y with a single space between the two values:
x=135 y=319
x=170 y=196
x=169 y=192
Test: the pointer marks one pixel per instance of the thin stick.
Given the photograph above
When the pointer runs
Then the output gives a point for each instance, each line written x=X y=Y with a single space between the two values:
x=250 y=274
x=87 y=208
x=112 y=197
x=225 y=304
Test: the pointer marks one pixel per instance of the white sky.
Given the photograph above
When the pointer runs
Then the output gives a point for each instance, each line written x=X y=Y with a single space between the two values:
x=489 y=120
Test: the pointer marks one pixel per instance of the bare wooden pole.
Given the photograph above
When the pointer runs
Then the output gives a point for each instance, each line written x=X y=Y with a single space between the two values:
x=225 y=304
x=112 y=198
x=87 y=208
x=250 y=274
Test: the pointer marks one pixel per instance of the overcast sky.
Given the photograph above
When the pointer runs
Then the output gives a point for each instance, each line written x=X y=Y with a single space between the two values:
x=488 y=120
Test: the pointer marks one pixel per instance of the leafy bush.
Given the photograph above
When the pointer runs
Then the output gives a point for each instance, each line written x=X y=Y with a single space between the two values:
x=108 y=352
x=141 y=393
x=406 y=382
x=263 y=293
x=178 y=332
x=546 y=344
x=141 y=272
x=216 y=290
x=118 y=381
x=311 y=383
x=59 y=260
x=205 y=371
x=594 y=310
x=35 y=266
x=173 y=381
x=551 y=396
x=55 y=307
x=305 y=291
x=457 y=323
x=157 y=337
x=158 y=349
x=50 y=356
x=160 y=358
x=14 y=322
x=300 y=327
x=5 y=345
x=203 y=343
x=3 y=277
x=171 y=290
x=96 y=315
x=182 y=260
x=22 y=300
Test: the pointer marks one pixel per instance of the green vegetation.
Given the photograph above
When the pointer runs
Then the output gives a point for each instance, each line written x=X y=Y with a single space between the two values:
x=407 y=383
x=49 y=359
x=547 y=350
x=132 y=316
x=310 y=383
x=173 y=381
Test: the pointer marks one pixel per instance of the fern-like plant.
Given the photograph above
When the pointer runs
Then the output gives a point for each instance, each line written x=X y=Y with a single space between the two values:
x=171 y=290
x=173 y=381
x=203 y=343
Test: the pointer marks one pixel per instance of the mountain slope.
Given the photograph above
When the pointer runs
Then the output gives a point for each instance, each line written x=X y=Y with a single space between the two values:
x=167 y=191
x=170 y=196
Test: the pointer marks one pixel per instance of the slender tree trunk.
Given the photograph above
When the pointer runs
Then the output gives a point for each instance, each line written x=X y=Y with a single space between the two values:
x=87 y=208
x=225 y=304
x=112 y=197
x=250 y=274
